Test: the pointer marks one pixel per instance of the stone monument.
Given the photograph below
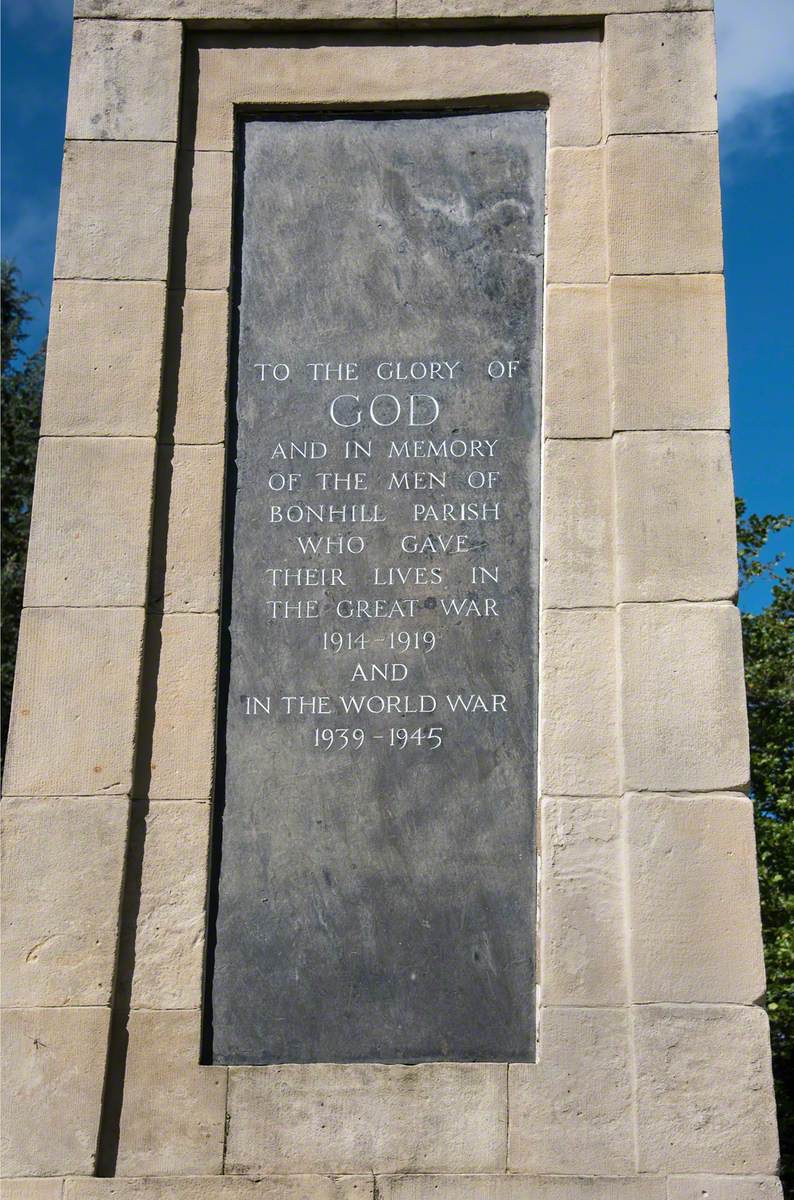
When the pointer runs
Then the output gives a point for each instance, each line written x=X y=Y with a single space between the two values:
x=375 y=818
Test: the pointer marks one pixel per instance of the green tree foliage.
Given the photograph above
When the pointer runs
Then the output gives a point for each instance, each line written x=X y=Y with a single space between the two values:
x=22 y=378
x=769 y=670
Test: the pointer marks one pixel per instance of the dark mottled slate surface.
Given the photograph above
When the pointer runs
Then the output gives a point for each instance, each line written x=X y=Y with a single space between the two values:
x=378 y=904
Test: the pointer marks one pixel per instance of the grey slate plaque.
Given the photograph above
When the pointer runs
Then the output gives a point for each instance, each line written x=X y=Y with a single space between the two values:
x=373 y=868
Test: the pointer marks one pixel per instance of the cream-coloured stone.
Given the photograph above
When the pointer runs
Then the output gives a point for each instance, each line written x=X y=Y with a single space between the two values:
x=517 y=1187
x=31 y=1189
x=683 y=702
x=89 y=531
x=195 y=396
x=72 y=726
x=576 y=374
x=704 y=1089
x=564 y=70
x=675 y=516
x=115 y=212
x=185 y=575
x=203 y=220
x=280 y=10
x=576 y=239
x=348 y=1118
x=208 y=1187
x=661 y=73
x=582 y=952
x=571 y=1113
x=537 y=8
x=578 y=524
x=669 y=352
x=724 y=1187
x=169 y=939
x=124 y=80
x=693 y=855
x=53 y=1072
x=578 y=754
x=104 y=357
x=172 y=1114
x=184 y=726
x=62 y=870
x=664 y=204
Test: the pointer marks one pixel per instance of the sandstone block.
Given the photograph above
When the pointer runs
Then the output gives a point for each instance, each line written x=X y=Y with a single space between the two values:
x=571 y=1112
x=124 y=80
x=195 y=396
x=691 y=861
x=169 y=943
x=32 y=1189
x=75 y=698
x=578 y=551
x=517 y=1187
x=704 y=1089
x=675 y=541
x=104 y=357
x=655 y=224
x=684 y=717
x=308 y=10
x=172 y=1116
x=203 y=220
x=661 y=73
x=115 y=213
x=536 y=8
x=184 y=726
x=215 y=1187
x=576 y=251
x=578 y=755
x=59 y=941
x=577 y=384
x=186 y=554
x=53 y=1072
x=724 y=1187
x=581 y=917
x=669 y=352
x=348 y=1118
x=89 y=532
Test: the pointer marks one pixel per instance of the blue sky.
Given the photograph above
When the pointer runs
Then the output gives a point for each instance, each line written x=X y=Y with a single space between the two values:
x=756 y=93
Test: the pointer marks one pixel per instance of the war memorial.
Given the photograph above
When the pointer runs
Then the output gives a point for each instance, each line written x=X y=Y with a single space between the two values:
x=375 y=814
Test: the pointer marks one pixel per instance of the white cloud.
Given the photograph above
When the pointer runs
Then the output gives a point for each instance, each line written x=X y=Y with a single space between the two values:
x=755 y=54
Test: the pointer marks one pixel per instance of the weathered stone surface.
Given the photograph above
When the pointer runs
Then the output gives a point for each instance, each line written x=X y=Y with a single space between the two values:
x=577 y=384
x=208 y=1187
x=124 y=80
x=571 y=1112
x=185 y=574
x=578 y=550
x=75 y=693
x=669 y=352
x=577 y=228
x=566 y=68
x=582 y=954
x=684 y=719
x=203 y=221
x=169 y=940
x=654 y=225
x=62 y=868
x=184 y=727
x=89 y=532
x=172 y=1116
x=724 y=1187
x=693 y=855
x=675 y=541
x=661 y=73
x=53 y=1072
x=194 y=403
x=104 y=351
x=115 y=212
x=308 y=10
x=537 y=8
x=704 y=1089
x=578 y=755
x=32 y=1189
x=348 y=1118
x=517 y=1187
